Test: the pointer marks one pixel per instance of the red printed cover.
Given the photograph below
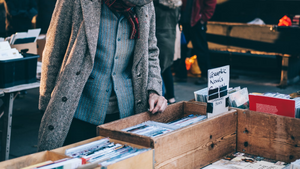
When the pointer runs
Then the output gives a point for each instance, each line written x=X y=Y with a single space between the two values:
x=272 y=105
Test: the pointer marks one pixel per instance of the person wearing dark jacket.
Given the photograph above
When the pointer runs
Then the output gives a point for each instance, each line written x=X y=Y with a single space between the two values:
x=167 y=15
x=45 y=10
x=195 y=14
x=19 y=14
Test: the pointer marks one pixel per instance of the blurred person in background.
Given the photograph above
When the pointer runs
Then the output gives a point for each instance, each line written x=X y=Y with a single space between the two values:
x=194 y=17
x=167 y=16
x=19 y=14
x=45 y=10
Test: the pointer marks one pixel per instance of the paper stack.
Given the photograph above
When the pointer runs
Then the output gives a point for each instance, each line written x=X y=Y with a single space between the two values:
x=8 y=53
x=154 y=129
x=25 y=37
x=295 y=164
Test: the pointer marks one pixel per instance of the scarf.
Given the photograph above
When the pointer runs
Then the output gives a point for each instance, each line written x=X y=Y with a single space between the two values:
x=125 y=9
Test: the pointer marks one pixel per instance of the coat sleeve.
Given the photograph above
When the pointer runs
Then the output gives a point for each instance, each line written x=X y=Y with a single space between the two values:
x=56 y=44
x=208 y=10
x=154 y=77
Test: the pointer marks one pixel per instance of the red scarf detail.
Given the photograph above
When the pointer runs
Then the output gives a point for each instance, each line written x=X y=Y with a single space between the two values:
x=125 y=9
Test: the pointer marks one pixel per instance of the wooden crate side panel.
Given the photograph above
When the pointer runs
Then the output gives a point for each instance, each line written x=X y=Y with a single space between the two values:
x=126 y=137
x=270 y=136
x=172 y=112
x=30 y=160
x=203 y=155
x=179 y=142
x=194 y=108
x=141 y=161
x=62 y=150
x=127 y=122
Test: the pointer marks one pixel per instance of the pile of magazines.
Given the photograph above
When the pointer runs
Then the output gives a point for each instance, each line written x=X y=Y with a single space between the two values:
x=103 y=152
x=153 y=129
x=98 y=153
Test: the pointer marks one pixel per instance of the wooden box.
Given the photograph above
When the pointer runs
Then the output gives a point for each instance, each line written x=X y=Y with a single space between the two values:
x=142 y=161
x=193 y=146
x=270 y=136
x=31 y=160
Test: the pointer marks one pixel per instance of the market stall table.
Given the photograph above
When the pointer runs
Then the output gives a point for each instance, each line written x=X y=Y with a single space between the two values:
x=7 y=95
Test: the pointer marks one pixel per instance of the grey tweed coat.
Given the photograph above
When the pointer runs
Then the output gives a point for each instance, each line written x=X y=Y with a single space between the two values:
x=68 y=60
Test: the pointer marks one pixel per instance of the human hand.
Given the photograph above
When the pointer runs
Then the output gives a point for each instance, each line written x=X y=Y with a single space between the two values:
x=157 y=103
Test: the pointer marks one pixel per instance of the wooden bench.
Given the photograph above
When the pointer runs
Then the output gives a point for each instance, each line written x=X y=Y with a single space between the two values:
x=258 y=40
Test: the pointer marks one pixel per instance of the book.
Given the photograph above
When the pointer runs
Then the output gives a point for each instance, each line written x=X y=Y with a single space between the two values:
x=273 y=105
x=239 y=98
x=201 y=95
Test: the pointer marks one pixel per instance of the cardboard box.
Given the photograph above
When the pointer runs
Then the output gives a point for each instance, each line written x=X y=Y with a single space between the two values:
x=40 y=47
x=31 y=160
x=193 y=146
x=141 y=161
x=31 y=47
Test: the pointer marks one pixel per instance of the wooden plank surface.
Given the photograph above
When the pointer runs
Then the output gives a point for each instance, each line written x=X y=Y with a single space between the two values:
x=172 y=112
x=269 y=136
x=197 y=139
x=127 y=122
x=141 y=161
x=30 y=160
x=126 y=136
x=202 y=155
x=194 y=108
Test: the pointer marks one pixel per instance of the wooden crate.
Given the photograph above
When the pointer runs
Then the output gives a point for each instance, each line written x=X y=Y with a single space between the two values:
x=193 y=146
x=31 y=160
x=271 y=136
x=144 y=160
x=267 y=135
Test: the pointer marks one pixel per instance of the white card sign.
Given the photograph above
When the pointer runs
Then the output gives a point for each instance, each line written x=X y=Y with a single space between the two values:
x=218 y=106
x=218 y=82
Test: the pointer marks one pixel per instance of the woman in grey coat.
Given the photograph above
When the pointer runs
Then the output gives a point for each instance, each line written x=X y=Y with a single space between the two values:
x=87 y=73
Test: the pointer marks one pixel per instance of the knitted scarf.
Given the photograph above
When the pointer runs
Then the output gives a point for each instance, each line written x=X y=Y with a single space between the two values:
x=125 y=9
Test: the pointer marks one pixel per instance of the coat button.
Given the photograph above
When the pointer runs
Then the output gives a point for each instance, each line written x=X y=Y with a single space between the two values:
x=138 y=75
x=50 y=127
x=139 y=102
x=77 y=73
x=64 y=99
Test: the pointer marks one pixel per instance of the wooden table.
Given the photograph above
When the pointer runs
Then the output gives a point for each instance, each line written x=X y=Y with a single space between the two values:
x=6 y=110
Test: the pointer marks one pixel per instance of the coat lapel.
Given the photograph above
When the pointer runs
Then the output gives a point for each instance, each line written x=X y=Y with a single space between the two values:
x=142 y=42
x=91 y=10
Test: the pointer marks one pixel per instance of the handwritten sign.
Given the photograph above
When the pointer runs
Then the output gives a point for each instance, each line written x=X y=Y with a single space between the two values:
x=218 y=82
x=218 y=77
